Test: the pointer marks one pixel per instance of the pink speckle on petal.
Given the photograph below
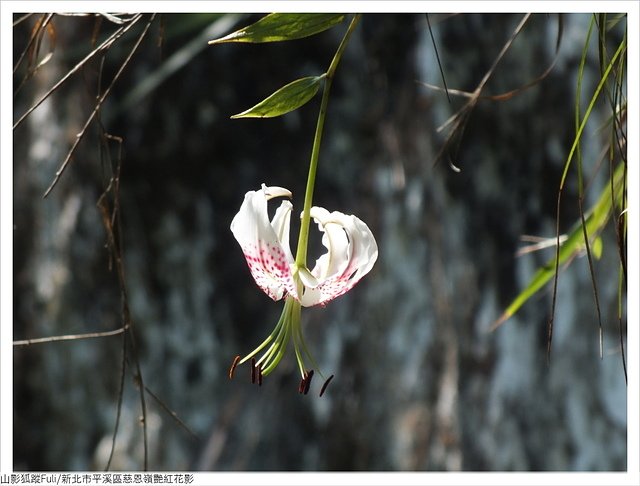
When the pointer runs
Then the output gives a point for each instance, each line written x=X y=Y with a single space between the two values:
x=338 y=285
x=270 y=269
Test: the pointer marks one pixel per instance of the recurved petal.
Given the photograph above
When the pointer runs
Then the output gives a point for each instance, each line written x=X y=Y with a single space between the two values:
x=269 y=259
x=281 y=223
x=351 y=253
x=335 y=240
x=275 y=191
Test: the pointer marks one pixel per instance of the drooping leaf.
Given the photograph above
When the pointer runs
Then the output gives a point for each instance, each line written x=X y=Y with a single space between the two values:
x=595 y=221
x=286 y=99
x=277 y=27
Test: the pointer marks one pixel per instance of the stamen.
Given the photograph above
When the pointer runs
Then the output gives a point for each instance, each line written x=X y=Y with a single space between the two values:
x=303 y=388
x=326 y=384
x=259 y=375
x=233 y=366
x=308 y=377
x=253 y=370
x=304 y=383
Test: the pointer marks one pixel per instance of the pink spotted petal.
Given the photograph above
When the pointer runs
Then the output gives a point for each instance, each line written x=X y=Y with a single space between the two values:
x=265 y=243
x=351 y=253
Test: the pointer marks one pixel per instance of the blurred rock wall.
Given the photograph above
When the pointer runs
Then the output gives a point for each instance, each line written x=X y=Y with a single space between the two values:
x=420 y=383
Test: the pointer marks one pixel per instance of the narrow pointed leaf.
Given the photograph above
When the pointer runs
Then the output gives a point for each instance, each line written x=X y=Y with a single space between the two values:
x=595 y=222
x=286 y=99
x=277 y=27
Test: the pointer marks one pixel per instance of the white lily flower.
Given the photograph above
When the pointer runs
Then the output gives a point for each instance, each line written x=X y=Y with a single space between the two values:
x=351 y=249
x=351 y=253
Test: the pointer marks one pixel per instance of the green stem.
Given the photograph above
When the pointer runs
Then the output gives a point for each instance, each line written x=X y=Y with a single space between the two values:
x=303 y=240
x=273 y=360
x=275 y=333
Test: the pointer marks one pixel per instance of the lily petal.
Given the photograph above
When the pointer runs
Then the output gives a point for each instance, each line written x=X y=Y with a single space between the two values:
x=281 y=223
x=307 y=278
x=351 y=253
x=265 y=244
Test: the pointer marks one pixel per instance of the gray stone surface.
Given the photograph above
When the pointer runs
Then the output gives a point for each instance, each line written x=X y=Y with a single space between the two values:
x=420 y=383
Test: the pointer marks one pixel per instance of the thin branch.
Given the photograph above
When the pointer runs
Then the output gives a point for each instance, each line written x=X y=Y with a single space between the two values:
x=119 y=406
x=624 y=360
x=507 y=95
x=111 y=220
x=80 y=135
x=435 y=48
x=555 y=280
x=459 y=119
x=593 y=275
x=620 y=329
x=105 y=45
x=22 y=19
x=105 y=138
x=70 y=337
x=43 y=21
x=126 y=314
x=173 y=414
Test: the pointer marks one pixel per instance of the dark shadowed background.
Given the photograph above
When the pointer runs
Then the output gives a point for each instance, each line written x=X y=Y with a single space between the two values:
x=420 y=383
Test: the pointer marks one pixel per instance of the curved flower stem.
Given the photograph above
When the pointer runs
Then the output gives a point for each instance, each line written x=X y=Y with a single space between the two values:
x=277 y=331
x=277 y=353
x=300 y=345
x=303 y=240
x=279 y=343
x=296 y=338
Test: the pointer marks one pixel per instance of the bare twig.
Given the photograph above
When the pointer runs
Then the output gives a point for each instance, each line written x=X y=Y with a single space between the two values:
x=592 y=273
x=111 y=221
x=624 y=361
x=80 y=135
x=173 y=414
x=435 y=48
x=70 y=337
x=111 y=187
x=40 y=24
x=105 y=45
x=475 y=96
x=119 y=406
x=22 y=19
x=511 y=93
x=457 y=122
x=126 y=314
x=555 y=280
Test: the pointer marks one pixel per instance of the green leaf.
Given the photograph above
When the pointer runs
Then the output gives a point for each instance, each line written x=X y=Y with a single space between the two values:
x=286 y=99
x=596 y=248
x=282 y=27
x=595 y=221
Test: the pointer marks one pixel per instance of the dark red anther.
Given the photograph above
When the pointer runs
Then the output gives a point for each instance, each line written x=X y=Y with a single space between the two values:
x=308 y=376
x=326 y=384
x=233 y=366
x=259 y=375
